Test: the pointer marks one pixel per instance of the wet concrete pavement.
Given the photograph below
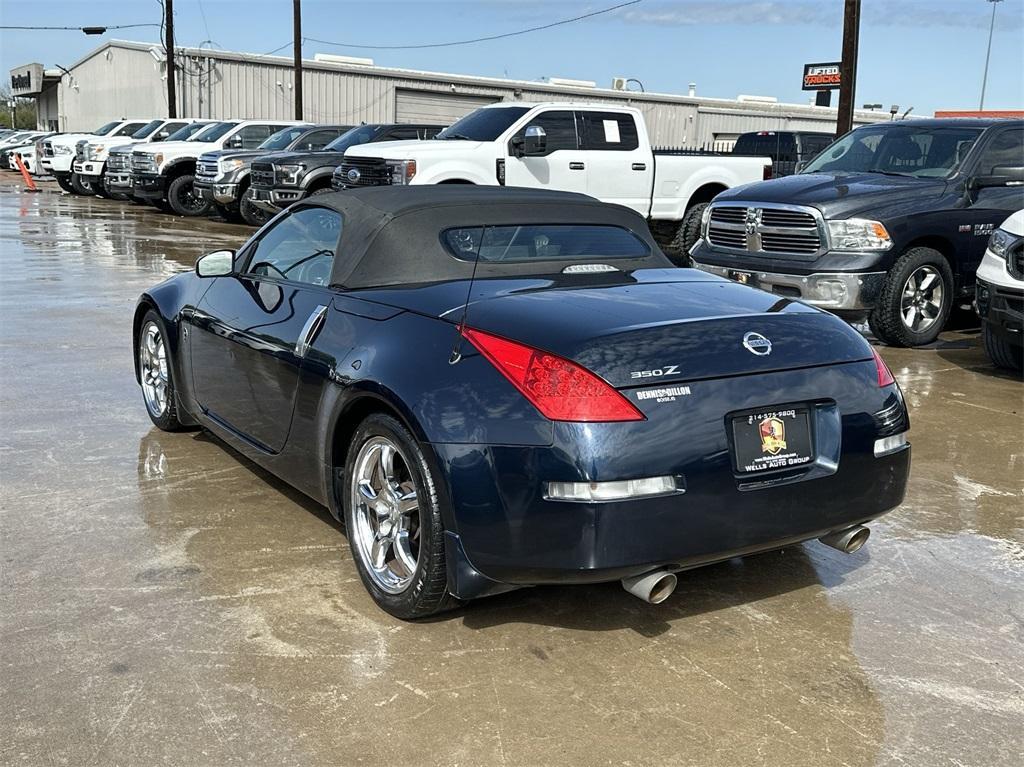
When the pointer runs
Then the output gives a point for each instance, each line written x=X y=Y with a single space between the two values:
x=163 y=601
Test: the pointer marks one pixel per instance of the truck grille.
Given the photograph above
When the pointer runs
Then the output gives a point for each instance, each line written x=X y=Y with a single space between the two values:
x=361 y=171
x=765 y=229
x=143 y=162
x=1015 y=261
x=262 y=175
x=206 y=170
x=117 y=161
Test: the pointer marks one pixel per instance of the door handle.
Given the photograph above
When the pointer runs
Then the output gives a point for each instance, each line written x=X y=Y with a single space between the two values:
x=576 y=166
x=309 y=330
x=639 y=166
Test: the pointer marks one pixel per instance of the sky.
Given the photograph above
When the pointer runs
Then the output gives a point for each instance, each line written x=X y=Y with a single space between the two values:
x=925 y=54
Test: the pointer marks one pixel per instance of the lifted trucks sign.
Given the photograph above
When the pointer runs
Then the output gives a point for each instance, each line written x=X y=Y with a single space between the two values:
x=821 y=77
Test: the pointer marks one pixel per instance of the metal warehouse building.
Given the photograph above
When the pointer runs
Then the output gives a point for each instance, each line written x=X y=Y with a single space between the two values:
x=127 y=79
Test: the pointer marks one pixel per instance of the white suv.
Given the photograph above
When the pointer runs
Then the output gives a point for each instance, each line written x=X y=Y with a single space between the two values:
x=1000 y=294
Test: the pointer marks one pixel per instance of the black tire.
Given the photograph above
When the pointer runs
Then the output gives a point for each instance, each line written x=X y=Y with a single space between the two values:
x=226 y=212
x=64 y=182
x=322 y=190
x=1002 y=353
x=100 y=189
x=887 y=321
x=249 y=213
x=83 y=188
x=165 y=418
x=427 y=592
x=182 y=197
x=686 y=236
x=161 y=205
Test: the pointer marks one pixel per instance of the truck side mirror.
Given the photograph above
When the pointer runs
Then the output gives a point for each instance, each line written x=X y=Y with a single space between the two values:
x=219 y=263
x=1002 y=175
x=234 y=142
x=535 y=141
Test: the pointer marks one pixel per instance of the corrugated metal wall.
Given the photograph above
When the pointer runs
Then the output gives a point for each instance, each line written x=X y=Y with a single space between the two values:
x=123 y=80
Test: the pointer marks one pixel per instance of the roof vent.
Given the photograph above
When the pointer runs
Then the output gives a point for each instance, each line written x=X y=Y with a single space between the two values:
x=330 y=58
x=571 y=83
x=743 y=98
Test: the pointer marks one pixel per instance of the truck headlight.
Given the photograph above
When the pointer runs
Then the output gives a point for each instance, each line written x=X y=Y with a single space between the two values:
x=288 y=175
x=61 y=149
x=1000 y=242
x=95 y=151
x=402 y=171
x=858 y=234
x=705 y=217
x=225 y=167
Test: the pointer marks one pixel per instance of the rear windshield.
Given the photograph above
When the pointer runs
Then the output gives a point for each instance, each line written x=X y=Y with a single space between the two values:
x=543 y=242
x=774 y=145
x=214 y=132
x=483 y=124
x=147 y=129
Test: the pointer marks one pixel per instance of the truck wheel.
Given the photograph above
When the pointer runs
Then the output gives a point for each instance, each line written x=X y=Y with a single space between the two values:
x=227 y=212
x=250 y=214
x=686 y=236
x=64 y=182
x=100 y=188
x=81 y=187
x=1002 y=353
x=915 y=301
x=183 y=199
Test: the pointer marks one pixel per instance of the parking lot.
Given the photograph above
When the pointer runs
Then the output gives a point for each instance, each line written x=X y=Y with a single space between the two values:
x=166 y=602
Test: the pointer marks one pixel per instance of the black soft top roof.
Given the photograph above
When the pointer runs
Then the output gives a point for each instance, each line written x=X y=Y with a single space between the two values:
x=392 y=235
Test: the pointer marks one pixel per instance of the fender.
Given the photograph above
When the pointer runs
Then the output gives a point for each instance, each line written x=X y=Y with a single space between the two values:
x=316 y=174
x=172 y=166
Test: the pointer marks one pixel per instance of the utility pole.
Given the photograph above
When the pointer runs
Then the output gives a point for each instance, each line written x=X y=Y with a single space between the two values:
x=848 y=68
x=172 y=99
x=297 y=49
x=988 y=53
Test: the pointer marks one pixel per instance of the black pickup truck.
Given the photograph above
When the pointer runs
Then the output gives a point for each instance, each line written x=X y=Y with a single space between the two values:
x=889 y=223
x=283 y=178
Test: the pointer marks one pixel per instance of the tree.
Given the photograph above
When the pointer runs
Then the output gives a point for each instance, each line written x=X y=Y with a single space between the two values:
x=24 y=111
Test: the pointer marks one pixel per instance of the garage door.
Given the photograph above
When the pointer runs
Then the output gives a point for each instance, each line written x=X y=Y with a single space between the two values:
x=435 y=108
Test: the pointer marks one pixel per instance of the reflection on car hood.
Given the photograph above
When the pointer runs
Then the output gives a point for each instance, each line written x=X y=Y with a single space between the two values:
x=309 y=159
x=398 y=150
x=837 y=195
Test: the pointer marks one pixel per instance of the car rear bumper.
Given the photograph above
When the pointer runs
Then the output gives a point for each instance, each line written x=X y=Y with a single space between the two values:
x=148 y=185
x=510 y=532
x=1002 y=308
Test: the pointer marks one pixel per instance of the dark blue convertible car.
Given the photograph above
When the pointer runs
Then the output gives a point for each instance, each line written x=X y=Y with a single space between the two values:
x=496 y=388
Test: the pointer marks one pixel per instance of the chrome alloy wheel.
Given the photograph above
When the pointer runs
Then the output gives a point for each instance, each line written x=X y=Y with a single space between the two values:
x=386 y=514
x=921 y=301
x=153 y=369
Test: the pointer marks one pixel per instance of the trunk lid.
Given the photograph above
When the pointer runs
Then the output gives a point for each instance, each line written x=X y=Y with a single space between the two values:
x=654 y=333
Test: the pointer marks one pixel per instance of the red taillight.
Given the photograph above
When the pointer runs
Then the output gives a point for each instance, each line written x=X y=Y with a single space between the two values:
x=561 y=390
x=767 y=173
x=884 y=374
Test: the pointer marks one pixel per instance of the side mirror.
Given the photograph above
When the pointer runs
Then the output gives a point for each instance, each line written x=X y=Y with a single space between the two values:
x=535 y=141
x=162 y=135
x=220 y=263
x=234 y=143
x=1002 y=175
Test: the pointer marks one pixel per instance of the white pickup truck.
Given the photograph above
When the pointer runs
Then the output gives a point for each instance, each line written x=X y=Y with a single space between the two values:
x=596 y=149
x=163 y=173
x=59 y=151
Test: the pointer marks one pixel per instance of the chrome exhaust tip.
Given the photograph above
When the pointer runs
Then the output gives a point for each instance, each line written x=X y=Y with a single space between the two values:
x=848 y=540
x=654 y=587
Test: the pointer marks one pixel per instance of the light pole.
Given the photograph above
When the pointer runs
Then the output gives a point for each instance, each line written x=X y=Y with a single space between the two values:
x=988 y=53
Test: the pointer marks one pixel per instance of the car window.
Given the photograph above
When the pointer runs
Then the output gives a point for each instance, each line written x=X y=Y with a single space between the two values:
x=147 y=129
x=1006 y=149
x=170 y=130
x=609 y=131
x=353 y=137
x=543 y=242
x=214 y=131
x=774 y=144
x=251 y=136
x=299 y=247
x=902 y=150
x=279 y=140
x=559 y=128
x=811 y=146
x=317 y=140
x=400 y=134
x=105 y=129
x=128 y=129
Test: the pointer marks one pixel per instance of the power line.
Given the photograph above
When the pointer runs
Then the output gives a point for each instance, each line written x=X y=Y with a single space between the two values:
x=478 y=39
x=79 y=29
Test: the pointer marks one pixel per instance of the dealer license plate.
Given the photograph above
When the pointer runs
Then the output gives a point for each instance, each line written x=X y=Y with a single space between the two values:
x=745 y=278
x=771 y=440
